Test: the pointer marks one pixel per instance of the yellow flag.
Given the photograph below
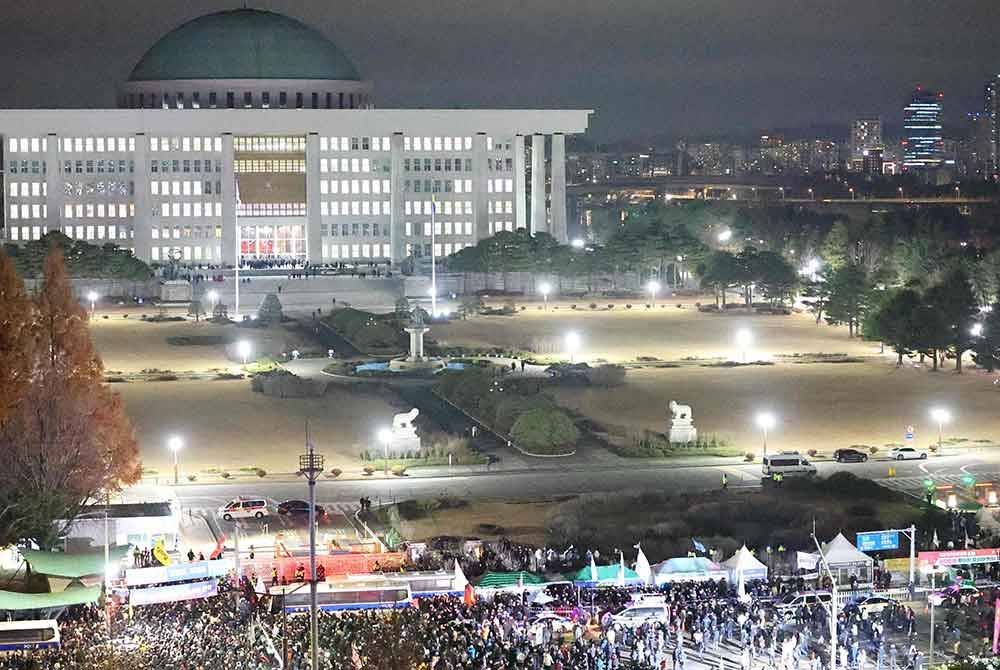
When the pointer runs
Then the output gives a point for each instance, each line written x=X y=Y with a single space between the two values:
x=160 y=553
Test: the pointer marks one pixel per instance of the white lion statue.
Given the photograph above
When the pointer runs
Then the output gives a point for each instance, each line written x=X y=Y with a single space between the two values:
x=402 y=424
x=680 y=412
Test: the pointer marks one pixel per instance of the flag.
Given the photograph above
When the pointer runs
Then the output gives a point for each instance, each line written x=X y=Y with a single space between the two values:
x=967 y=540
x=219 y=546
x=593 y=569
x=642 y=567
x=806 y=561
x=459 y=581
x=470 y=595
x=935 y=541
x=698 y=545
x=620 y=581
x=741 y=589
x=356 y=657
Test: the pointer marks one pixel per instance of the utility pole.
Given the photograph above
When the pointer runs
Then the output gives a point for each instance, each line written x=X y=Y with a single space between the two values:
x=311 y=466
x=833 y=604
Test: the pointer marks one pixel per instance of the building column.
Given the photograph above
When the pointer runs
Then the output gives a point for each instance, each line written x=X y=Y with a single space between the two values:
x=539 y=222
x=480 y=198
x=229 y=220
x=53 y=184
x=520 y=186
x=557 y=201
x=397 y=222
x=142 y=222
x=314 y=234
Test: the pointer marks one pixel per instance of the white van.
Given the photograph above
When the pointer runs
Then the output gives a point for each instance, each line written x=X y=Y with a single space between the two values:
x=789 y=464
x=635 y=616
x=244 y=508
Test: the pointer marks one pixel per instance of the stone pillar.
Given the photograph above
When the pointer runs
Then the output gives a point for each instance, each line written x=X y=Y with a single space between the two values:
x=539 y=222
x=416 y=343
x=54 y=184
x=557 y=201
x=520 y=187
x=480 y=198
x=229 y=220
x=142 y=222
x=314 y=236
x=397 y=222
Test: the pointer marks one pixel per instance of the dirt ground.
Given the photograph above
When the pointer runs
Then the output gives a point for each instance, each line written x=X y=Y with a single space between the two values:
x=219 y=420
x=821 y=405
x=665 y=332
x=517 y=521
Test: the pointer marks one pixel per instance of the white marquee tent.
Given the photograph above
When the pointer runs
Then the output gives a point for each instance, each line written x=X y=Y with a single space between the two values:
x=744 y=561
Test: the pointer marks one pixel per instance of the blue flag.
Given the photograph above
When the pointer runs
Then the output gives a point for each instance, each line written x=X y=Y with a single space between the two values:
x=699 y=546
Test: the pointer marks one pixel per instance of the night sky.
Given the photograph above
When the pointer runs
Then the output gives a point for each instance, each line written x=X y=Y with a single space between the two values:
x=648 y=67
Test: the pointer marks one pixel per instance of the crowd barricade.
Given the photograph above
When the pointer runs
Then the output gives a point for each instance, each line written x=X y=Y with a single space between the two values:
x=334 y=565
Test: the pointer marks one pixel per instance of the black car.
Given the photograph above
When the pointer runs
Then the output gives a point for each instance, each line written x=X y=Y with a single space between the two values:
x=849 y=456
x=298 y=508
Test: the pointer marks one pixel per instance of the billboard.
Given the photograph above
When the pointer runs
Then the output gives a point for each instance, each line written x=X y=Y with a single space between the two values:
x=879 y=540
x=168 y=594
x=179 y=572
x=959 y=557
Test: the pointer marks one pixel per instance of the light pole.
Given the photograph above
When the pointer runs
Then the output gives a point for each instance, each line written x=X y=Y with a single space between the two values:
x=976 y=330
x=654 y=287
x=175 y=444
x=833 y=605
x=544 y=288
x=577 y=243
x=92 y=297
x=744 y=340
x=572 y=344
x=213 y=299
x=940 y=416
x=724 y=236
x=811 y=196
x=433 y=259
x=385 y=436
x=243 y=348
x=311 y=466
x=765 y=421
x=852 y=192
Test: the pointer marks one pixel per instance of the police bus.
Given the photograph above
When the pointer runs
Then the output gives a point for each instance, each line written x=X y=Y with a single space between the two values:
x=29 y=635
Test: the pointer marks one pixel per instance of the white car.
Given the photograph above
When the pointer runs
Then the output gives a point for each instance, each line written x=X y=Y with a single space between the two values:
x=633 y=617
x=906 y=454
x=793 y=601
x=874 y=604
x=554 y=621
x=240 y=508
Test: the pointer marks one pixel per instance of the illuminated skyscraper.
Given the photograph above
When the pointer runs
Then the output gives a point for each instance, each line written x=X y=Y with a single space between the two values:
x=923 y=146
x=993 y=127
x=866 y=134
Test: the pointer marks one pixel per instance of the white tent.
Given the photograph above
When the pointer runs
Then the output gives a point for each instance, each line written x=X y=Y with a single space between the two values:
x=746 y=563
x=846 y=560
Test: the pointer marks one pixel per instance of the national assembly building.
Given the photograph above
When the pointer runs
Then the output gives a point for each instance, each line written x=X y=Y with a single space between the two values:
x=245 y=135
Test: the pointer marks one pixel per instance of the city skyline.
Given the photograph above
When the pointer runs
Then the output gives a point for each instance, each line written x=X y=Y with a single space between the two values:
x=686 y=69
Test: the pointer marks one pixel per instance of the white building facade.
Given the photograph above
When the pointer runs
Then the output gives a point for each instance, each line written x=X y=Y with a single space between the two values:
x=210 y=164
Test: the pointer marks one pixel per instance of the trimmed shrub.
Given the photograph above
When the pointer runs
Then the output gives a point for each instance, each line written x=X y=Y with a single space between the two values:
x=260 y=472
x=748 y=457
x=368 y=470
x=545 y=430
x=398 y=470
x=593 y=305
x=334 y=472
x=606 y=376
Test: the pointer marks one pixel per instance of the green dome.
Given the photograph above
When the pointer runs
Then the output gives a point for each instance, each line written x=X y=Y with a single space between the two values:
x=244 y=44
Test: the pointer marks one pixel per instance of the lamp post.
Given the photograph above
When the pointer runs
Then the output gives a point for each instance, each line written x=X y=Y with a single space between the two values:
x=572 y=344
x=976 y=330
x=243 y=348
x=92 y=297
x=744 y=339
x=811 y=196
x=653 y=287
x=385 y=436
x=311 y=466
x=545 y=288
x=940 y=416
x=765 y=421
x=851 y=189
x=724 y=236
x=213 y=298
x=577 y=243
x=175 y=444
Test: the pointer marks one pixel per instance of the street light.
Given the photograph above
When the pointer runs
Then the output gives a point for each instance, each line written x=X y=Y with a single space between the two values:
x=243 y=348
x=653 y=287
x=92 y=297
x=175 y=444
x=577 y=243
x=976 y=330
x=852 y=192
x=545 y=288
x=940 y=416
x=572 y=343
x=213 y=297
x=724 y=236
x=765 y=421
x=744 y=339
x=811 y=197
x=385 y=436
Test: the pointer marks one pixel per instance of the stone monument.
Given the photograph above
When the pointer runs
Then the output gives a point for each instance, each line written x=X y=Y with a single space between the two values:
x=682 y=430
x=404 y=439
x=416 y=362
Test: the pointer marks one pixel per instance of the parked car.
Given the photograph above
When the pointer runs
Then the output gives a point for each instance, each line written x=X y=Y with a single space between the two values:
x=633 y=617
x=849 y=456
x=556 y=621
x=789 y=464
x=953 y=595
x=298 y=508
x=793 y=601
x=241 y=508
x=872 y=604
x=906 y=454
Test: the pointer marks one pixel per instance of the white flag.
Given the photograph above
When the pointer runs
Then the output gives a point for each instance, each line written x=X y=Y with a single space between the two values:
x=593 y=569
x=642 y=567
x=935 y=540
x=806 y=561
x=459 y=582
x=621 y=569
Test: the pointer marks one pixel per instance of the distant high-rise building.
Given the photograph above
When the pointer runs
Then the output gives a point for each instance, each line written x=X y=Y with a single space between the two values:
x=871 y=162
x=992 y=113
x=866 y=134
x=922 y=146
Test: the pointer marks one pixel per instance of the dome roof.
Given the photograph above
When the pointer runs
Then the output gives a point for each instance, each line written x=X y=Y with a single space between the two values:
x=244 y=44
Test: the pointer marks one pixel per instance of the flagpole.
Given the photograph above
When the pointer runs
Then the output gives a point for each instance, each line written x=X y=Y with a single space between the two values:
x=433 y=258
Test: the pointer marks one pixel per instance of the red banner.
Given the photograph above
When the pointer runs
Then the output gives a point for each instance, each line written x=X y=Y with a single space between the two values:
x=996 y=626
x=960 y=557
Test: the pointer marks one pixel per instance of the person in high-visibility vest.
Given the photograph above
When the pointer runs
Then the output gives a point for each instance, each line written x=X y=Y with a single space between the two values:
x=725 y=481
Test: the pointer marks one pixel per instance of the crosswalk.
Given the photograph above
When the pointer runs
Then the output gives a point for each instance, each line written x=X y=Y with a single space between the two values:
x=916 y=485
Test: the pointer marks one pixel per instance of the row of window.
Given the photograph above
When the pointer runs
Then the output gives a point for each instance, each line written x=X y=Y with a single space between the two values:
x=186 y=232
x=499 y=164
x=446 y=249
x=354 y=230
x=269 y=144
x=184 y=165
x=440 y=228
x=446 y=207
x=25 y=145
x=28 y=189
x=185 y=252
x=345 y=251
x=99 y=167
x=436 y=165
x=98 y=188
x=26 y=167
x=354 y=165
x=98 y=144
x=166 y=101
x=354 y=144
x=271 y=209
x=437 y=186
x=270 y=166
x=353 y=186
x=100 y=210
x=355 y=208
x=500 y=207
x=190 y=209
x=28 y=212
x=437 y=143
x=26 y=233
x=497 y=226
x=185 y=144
x=184 y=187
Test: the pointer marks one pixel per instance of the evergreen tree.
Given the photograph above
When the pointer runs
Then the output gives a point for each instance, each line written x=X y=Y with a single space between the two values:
x=850 y=290
x=894 y=322
x=954 y=299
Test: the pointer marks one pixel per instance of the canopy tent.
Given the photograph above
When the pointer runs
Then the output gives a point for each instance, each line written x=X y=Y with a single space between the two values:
x=691 y=568
x=606 y=574
x=75 y=565
x=743 y=561
x=840 y=553
x=12 y=601
x=505 y=580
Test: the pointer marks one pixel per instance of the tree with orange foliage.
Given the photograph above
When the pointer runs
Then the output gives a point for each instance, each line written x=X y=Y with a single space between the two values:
x=66 y=441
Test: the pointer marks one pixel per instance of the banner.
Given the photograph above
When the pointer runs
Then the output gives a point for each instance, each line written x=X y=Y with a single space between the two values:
x=959 y=557
x=168 y=594
x=805 y=561
x=179 y=572
x=996 y=625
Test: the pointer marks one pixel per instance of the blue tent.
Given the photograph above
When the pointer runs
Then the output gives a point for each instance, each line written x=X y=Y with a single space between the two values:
x=691 y=568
